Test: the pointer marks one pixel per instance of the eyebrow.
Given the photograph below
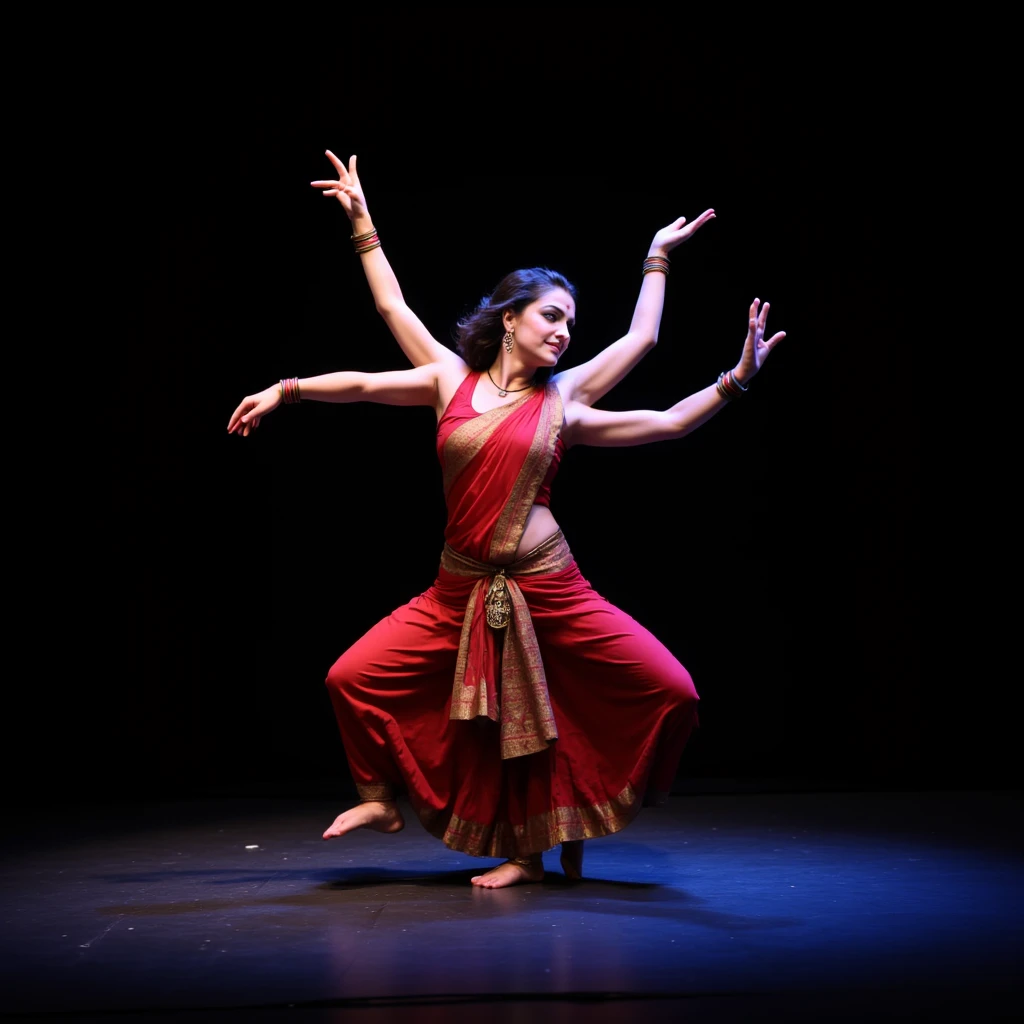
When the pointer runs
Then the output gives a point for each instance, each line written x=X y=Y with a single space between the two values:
x=570 y=320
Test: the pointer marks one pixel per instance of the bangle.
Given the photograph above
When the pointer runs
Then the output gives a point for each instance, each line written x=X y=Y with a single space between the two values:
x=657 y=263
x=290 y=394
x=366 y=241
x=728 y=386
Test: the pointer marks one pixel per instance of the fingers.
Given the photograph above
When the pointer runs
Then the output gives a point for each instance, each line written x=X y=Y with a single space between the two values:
x=756 y=344
x=700 y=221
x=236 y=416
x=338 y=165
x=245 y=418
x=334 y=188
x=352 y=166
x=249 y=423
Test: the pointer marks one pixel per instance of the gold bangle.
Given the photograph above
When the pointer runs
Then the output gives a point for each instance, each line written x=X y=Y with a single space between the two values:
x=364 y=235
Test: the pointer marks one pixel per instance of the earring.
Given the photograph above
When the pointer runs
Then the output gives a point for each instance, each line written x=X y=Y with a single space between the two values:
x=509 y=340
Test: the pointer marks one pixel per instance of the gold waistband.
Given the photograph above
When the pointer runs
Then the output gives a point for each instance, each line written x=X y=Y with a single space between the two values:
x=497 y=604
x=551 y=555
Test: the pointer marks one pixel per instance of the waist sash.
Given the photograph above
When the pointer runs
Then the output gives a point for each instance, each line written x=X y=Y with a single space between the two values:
x=496 y=603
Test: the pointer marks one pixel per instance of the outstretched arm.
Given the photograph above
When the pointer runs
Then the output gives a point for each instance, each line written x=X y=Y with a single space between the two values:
x=600 y=427
x=591 y=380
x=418 y=344
x=418 y=386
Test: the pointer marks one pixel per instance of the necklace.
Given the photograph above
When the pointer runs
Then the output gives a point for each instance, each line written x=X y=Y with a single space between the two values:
x=502 y=392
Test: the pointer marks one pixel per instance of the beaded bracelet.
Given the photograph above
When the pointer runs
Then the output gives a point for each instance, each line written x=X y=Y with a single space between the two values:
x=657 y=263
x=290 y=394
x=728 y=386
x=366 y=241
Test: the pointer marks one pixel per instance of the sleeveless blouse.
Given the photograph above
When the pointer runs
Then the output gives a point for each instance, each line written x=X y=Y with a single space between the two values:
x=496 y=465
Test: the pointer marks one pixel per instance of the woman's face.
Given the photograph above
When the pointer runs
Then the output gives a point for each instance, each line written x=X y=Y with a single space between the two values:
x=542 y=328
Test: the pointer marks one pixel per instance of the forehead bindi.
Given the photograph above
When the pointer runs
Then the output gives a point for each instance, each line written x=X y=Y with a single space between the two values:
x=561 y=301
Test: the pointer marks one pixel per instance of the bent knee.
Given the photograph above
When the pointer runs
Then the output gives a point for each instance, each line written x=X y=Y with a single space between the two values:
x=344 y=674
x=679 y=685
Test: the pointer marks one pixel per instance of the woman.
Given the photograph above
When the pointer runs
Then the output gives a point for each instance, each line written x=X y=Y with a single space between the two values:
x=514 y=706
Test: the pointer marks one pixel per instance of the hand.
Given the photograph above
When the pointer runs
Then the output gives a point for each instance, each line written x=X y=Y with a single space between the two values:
x=755 y=347
x=677 y=232
x=345 y=188
x=252 y=409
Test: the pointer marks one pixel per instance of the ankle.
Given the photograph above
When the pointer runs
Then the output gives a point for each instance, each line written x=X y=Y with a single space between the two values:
x=531 y=860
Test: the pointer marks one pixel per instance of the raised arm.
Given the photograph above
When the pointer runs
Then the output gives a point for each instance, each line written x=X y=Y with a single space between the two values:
x=418 y=344
x=591 y=380
x=600 y=427
x=419 y=386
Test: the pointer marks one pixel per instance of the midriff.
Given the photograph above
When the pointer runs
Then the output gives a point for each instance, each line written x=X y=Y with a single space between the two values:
x=540 y=524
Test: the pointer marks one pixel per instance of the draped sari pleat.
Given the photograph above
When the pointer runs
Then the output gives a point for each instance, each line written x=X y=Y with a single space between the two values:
x=507 y=740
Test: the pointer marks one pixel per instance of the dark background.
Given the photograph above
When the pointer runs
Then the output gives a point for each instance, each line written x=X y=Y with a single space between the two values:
x=784 y=552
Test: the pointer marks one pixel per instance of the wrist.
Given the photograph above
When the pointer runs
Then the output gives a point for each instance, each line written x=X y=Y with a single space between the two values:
x=365 y=241
x=288 y=392
x=660 y=264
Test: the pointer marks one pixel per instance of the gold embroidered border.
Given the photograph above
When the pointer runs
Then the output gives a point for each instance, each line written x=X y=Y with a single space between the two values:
x=375 y=791
x=551 y=555
x=466 y=440
x=468 y=701
x=541 y=832
x=526 y=716
x=512 y=521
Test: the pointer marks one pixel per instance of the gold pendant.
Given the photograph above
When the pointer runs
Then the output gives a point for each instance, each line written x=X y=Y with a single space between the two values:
x=497 y=603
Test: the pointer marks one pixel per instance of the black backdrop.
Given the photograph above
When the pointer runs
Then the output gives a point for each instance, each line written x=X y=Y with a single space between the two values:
x=778 y=551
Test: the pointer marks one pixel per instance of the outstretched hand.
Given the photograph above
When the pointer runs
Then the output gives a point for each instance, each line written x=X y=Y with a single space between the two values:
x=678 y=232
x=246 y=418
x=345 y=187
x=756 y=347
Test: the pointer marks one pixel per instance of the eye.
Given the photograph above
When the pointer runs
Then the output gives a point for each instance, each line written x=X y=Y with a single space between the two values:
x=550 y=316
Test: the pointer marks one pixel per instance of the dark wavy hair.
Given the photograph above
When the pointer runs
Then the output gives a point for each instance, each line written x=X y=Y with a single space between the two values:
x=479 y=333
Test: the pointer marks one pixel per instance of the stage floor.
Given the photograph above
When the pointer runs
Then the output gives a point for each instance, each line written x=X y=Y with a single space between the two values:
x=743 y=906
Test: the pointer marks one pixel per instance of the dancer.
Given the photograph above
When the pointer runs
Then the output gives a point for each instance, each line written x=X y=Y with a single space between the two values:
x=513 y=706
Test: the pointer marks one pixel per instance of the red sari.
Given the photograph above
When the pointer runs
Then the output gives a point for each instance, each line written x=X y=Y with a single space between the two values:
x=508 y=741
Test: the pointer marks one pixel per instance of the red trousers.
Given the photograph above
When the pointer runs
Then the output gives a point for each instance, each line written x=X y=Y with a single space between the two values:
x=624 y=708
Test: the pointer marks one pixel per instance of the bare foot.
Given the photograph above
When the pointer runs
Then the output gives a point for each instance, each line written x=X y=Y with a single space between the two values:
x=512 y=872
x=379 y=815
x=572 y=859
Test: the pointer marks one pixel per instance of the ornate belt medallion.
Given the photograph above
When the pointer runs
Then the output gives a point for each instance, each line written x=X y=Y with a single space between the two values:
x=497 y=603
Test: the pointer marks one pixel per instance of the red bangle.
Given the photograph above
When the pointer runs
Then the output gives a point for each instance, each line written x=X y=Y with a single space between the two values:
x=728 y=387
x=365 y=242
